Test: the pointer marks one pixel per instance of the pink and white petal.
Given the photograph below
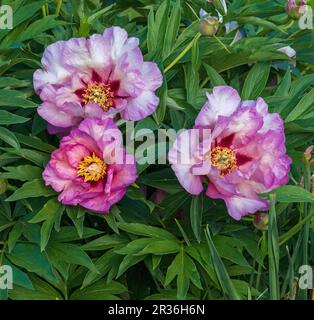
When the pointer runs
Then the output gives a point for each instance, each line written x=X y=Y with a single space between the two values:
x=71 y=194
x=141 y=107
x=243 y=127
x=103 y=203
x=52 y=179
x=119 y=42
x=191 y=183
x=75 y=154
x=224 y=101
x=240 y=206
x=99 y=129
x=53 y=63
x=99 y=51
x=76 y=56
x=79 y=137
x=123 y=175
x=93 y=110
x=55 y=116
x=152 y=76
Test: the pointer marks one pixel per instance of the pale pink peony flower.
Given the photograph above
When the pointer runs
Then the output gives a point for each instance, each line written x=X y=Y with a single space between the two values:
x=100 y=76
x=90 y=168
x=242 y=152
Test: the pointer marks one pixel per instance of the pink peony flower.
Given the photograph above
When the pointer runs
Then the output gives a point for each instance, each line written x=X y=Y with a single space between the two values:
x=242 y=152
x=91 y=168
x=100 y=76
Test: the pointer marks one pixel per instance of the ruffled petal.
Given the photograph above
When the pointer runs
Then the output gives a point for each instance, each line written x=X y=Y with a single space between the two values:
x=224 y=101
x=141 y=107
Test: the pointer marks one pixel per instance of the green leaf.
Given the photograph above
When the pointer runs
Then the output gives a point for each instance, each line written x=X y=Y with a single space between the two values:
x=22 y=173
x=291 y=194
x=8 y=82
x=215 y=78
x=302 y=107
x=127 y=262
x=196 y=215
x=41 y=291
x=14 y=98
x=38 y=27
x=71 y=254
x=50 y=214
x=35 y=142
x=31 y=189
x=101 y=290
x=256 y=81
x=8 y=137
x=164 y=180
x=221 y=272
x=29 y=257
x=105 y=242
x=172 y=29
x=14 y=235
x=77 y=215
x=145 y=230
x=161 y=247
x=69 y=233
x=184 y=268
x=8 y=118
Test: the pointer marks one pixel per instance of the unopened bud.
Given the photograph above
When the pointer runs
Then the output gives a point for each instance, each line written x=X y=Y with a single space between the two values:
x=261 y=221
x=293 y=8
x=209 y=26
x=3 y=186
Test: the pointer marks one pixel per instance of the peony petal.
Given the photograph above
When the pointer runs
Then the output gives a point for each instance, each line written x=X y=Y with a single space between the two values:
x=224 y=101
x=141 y=107
x=55 y=116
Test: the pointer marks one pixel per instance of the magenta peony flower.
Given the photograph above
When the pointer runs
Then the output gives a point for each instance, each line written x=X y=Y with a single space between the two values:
x=91 y=168
x=102 y=75
x=242 y=152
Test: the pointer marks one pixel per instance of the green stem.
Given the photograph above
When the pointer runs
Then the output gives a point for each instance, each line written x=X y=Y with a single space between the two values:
x=273 y=251
x=204 y=82
x=193 y=11
x=43 y=10
x=186 y=238
x=47 y=9
x=306 y=228
x=58 y=7
x=183 y=53
x=222 y=44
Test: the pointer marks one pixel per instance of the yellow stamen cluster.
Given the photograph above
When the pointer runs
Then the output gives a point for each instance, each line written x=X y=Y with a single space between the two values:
x=224 y=159
x=99 y=93
x=92 y=168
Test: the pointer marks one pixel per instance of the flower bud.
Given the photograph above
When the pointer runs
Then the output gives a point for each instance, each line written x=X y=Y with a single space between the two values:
x=261 y=221
x=3 y=186
x=209 y=26
x=293 y=8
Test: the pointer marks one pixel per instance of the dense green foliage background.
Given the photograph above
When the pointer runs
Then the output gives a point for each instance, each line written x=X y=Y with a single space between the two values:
x=144 y=250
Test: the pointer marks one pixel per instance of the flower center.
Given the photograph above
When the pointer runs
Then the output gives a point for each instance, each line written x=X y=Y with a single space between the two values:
x=99 y=93
x=92 y=169
x=224 y=159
